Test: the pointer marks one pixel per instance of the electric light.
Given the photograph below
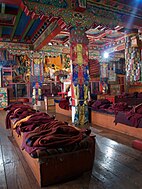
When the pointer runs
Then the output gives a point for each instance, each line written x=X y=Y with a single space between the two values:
x=106 y=55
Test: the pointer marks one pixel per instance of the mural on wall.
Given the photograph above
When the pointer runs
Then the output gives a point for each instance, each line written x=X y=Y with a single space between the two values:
x=7 y=59
x=22 y=69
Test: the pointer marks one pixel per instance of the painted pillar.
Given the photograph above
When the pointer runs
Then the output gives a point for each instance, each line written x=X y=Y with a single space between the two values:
x=132 y=57
x=80 y=75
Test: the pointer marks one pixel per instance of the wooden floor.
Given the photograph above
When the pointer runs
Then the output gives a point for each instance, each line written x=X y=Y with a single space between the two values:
x=116 y=165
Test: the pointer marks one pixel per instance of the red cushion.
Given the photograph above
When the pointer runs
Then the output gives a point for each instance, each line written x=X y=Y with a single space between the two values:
x=137 y=144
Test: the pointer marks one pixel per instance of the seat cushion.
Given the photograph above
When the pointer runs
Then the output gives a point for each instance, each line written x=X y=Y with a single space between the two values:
x=137 y=144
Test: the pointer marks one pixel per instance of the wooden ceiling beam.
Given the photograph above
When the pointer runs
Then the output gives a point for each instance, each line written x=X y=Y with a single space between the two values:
x=16 y=23
x=49 y=38
x=60 y=26
x=11 y=2
x=43 y=19
x=27 y=28
x=49 y=23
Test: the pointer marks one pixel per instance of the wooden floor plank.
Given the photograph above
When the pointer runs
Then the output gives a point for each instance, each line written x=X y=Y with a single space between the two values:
x=120 y=170
x=83 y=182
x=96 y=184
x=108 y=178
x=88 y=181
x=114 y=135
x=16 y=177
x=9 y=154
x=2 y=118
x=119 y=147
x=71 y=184
x=4 y=134
x=125 y=159
x=2 y=172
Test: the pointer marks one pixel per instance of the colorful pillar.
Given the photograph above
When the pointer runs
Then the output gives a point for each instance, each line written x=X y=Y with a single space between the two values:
x=80 y=75
x=132 y=57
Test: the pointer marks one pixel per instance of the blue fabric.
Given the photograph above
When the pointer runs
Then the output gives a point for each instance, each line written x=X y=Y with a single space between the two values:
x=56 y=101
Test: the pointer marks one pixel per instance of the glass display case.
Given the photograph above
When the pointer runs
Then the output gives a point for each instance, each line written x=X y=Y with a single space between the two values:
x=51 y=88
x=17 y=90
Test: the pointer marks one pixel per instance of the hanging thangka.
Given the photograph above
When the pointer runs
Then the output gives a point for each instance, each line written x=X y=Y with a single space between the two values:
x=37 y=70
x=104 y=70
x=37 y=67
x=111 y=72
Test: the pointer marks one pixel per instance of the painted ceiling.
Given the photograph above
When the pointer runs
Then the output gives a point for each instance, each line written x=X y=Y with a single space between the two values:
x=38 y=24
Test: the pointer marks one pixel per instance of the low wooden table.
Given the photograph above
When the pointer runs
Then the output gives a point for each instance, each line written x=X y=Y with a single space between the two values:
x=62 y=111
x=52 y=169
x=107 y=121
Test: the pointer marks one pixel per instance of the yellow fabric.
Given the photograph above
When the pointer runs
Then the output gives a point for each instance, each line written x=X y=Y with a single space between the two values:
x=79 y=54
x=18 y=123
x=76 y=92
x=56 y=61
x=81 y=114
x=85 y=92
x=37 y=60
